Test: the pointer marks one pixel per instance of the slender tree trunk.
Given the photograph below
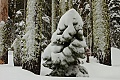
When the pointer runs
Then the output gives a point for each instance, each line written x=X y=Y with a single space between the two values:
x=53 y=16
x=62 y=7
x=32 y=38
x=70 y=4
x=101 y=32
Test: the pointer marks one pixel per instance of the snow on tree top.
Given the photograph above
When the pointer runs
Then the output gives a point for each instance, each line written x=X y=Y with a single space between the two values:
x=70 y=18
x=67 y=39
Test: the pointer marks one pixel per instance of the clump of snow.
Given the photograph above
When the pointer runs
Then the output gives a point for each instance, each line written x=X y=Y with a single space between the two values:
x=46 y=18
x=47 y=52
x=87 y=7
x=19 y=12
x=22 y=23
x=70 y=18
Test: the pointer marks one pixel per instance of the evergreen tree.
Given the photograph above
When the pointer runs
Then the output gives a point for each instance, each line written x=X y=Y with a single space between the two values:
x=114 y=9
x=17 y=43
x=67 y=45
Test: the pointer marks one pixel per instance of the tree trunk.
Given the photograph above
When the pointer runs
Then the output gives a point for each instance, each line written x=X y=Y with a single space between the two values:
x=53 y=16
x=32 y=38
x=62 y=7
x=3 y=10
x=70 y=4
x=101 y=32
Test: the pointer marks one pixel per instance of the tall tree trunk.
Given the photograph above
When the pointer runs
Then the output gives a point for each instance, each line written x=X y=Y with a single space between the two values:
x=101 y=32
x=3 y=10
x=32 y=38
x=53 y=16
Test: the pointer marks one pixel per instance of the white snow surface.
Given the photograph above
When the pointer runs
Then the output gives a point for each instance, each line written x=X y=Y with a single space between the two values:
x=115 y=57
x=96 y=71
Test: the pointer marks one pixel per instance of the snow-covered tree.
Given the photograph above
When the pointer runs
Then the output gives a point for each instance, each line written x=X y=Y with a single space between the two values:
x=101 y=31
x=7 y=38
x=19 y=32
x=67 y=45
x=114 y=9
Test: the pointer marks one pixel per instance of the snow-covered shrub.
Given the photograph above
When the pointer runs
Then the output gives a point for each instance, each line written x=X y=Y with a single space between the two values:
x=114 y=9
x=67 y=45
x=5 y=40
x=16 y=47
x=19 y=32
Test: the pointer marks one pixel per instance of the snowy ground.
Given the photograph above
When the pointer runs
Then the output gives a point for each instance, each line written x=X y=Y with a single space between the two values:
x=96 y=71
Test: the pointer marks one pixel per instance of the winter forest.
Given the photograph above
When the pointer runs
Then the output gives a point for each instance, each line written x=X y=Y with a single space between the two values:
x=60 y=38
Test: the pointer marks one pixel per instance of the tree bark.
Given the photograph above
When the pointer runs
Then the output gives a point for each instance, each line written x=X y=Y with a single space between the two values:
x=32 y=38
x=70 y=4
x=53 y=16
x=101 y=31
x=62 y=7
x=3 y=10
